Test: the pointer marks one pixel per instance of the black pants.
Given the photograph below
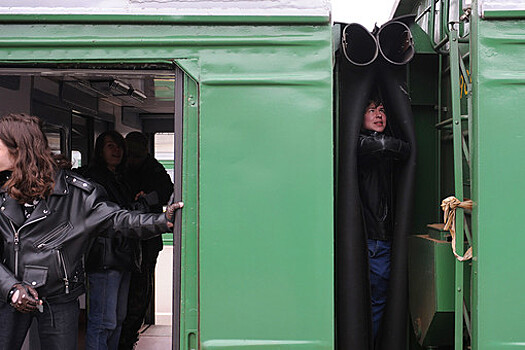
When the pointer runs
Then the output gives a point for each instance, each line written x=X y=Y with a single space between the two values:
x=57 y=326
x=140 y=289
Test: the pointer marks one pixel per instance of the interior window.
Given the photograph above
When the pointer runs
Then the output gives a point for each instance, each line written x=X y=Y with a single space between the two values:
x=164 y=147
x=54 y=139
x=76 y=159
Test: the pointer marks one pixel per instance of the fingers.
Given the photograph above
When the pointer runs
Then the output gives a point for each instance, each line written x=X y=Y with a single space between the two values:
x=170 y=211
x=24 y=299
x=32 y=291
x=25 y=303
x=14 y=298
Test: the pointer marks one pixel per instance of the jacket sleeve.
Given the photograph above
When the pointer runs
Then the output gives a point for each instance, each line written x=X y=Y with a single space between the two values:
x=7 y=280
x=381 y=145
x=103 y=214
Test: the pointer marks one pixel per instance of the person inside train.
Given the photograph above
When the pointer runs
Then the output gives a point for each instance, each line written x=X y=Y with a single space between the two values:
x=377 y=153
x=111 y=259
x=48 y=218
x=148 y=179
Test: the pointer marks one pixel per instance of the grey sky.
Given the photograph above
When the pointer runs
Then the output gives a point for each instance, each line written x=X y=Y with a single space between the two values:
x=365 y=12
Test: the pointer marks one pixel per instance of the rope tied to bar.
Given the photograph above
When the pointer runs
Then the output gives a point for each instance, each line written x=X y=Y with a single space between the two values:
x=449 y=206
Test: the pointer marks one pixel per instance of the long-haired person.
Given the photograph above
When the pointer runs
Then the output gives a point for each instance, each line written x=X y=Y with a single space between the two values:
x=111 y=259
x=48 y=217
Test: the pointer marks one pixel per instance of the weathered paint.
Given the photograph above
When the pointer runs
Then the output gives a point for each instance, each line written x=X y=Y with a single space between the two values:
x=501 y=8
x=169 y=7
x=259 y=185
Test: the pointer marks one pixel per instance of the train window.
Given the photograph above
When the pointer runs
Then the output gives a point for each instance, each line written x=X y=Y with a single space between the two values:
x=163 y=146
x=54 y=138
x=76 y=159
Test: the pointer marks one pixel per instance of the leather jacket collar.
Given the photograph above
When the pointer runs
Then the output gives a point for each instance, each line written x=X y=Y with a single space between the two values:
x=13 y=210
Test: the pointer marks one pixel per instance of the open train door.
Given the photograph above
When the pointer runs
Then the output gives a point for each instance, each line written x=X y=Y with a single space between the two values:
x=185 y=232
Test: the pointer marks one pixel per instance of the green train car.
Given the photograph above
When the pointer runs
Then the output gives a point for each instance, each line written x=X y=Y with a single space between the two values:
x=252 y=92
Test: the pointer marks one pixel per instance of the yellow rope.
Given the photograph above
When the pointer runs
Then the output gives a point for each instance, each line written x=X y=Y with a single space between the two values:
x=449 y=206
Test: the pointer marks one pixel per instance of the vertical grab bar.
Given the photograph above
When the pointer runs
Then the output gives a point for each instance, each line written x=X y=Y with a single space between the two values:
x=458 y=186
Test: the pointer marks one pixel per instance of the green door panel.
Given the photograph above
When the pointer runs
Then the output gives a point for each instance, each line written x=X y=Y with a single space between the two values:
x=498 y=172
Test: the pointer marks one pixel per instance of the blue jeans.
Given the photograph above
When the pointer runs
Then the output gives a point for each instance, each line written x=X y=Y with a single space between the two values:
x=379 y=253
x=57 y=326
x=108 y=300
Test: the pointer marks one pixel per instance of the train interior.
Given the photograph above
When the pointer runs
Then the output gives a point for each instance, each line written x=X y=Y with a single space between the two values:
x=77 y=105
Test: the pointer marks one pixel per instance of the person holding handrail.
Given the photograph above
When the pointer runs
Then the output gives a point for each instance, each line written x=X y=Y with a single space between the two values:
x=48 y=218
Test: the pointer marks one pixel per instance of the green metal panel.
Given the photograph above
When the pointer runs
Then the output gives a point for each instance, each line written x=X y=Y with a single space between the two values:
x=263 y=251
x=423 y=92
x=432 y=288
x=498 y=168
x=458 y=188
x=504 y=14
x=190 y=239
x=431 y=278
x=264 y=182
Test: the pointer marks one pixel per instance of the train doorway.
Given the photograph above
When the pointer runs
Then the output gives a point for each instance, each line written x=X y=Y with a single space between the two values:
x=79 y=102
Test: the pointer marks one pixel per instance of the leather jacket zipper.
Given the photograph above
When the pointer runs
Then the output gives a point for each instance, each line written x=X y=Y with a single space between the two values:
x=16 y=240
x=16 y=246
x=44 y=241
x=62 y=262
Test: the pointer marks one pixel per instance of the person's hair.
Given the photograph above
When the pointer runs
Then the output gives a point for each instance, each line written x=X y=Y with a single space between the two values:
x=137 y=145
x=375 y=99
x=34 y=166
x=116 y=137
x=138 y=138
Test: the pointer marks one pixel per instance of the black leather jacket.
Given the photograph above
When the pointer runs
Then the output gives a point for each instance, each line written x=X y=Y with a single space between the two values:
x=110 y=252
x=376 y=155
x=46 y=250
x=152 y=178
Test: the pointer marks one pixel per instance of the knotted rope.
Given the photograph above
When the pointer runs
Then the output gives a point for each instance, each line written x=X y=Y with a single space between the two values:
x=449 y=206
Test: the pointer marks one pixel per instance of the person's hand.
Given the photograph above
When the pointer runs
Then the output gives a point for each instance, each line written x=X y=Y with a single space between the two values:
x=140 y=194
x=25 y=298
x=170 y=212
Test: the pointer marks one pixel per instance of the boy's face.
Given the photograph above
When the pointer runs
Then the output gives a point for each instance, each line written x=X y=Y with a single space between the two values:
x=374 y=118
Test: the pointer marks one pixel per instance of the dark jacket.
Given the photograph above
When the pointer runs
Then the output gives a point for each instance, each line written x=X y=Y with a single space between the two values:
x=110 y=252
x=46 y=250
x=376 y=155
x=152 y=178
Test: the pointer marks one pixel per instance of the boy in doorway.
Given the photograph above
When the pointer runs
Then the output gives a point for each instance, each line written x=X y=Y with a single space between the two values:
x=377 y=153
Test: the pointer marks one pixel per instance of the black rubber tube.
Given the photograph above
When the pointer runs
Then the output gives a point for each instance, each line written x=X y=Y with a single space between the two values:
x=359 y=45
x=393 y=331
x=397 y=50
x=396 y=44
x=358 y=77
x=353 y=315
